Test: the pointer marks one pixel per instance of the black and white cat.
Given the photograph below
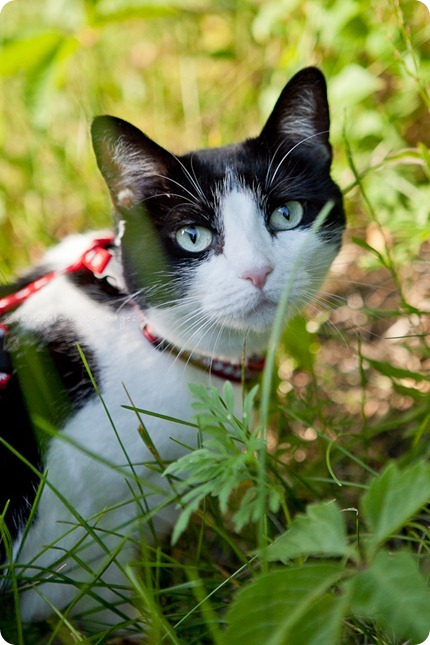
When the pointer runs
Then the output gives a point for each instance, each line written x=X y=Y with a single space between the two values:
x=204 y=247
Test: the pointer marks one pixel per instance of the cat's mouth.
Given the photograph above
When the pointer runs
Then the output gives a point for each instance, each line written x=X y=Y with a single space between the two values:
x=251 y=314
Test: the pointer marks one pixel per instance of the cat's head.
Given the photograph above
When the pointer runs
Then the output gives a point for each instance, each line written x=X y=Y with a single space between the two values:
x=210 y=239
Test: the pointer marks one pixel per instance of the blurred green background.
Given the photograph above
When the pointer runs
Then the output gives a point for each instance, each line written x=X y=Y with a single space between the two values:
x=199 y=73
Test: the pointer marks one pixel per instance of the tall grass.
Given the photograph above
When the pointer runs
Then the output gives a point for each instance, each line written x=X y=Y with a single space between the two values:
x=345 y=421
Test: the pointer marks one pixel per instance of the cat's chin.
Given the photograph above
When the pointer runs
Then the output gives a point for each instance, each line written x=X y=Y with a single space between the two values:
x=223 y=338
x=256 y=315
x=259 y=321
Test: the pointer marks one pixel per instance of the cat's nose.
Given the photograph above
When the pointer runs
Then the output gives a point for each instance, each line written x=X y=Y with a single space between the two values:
x=257 y=275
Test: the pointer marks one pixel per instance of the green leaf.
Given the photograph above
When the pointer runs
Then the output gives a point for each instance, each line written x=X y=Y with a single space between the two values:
x=353 y=84
x=108 y=11
x=393 y=498
x=184 y=518
x=394 y=593
x=387 y=369
x=28 y=53
x=272 y=606
x=424 y=154
x=322 y=622
x=39 y=380
x=414 y=393
x=364 y=245
x=300 y=343
x=44 y=80
x=228 y=396
x=249 y=406
x=214 y=414
x=320 y=531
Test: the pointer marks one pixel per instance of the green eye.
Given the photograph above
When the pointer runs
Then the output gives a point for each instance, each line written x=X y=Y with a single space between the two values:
x=286 y=217
x=194 y=238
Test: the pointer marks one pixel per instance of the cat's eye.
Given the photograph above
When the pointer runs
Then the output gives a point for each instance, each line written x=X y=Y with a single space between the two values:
x=194 y=238
x=285 y=217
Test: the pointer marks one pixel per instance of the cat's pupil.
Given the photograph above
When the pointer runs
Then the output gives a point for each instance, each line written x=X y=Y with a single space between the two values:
x=192 y=234
x=194 y=239
x=287 y=216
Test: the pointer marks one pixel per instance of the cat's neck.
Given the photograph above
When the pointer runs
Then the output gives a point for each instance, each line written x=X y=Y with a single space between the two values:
x=247 y=369
x=217 y=342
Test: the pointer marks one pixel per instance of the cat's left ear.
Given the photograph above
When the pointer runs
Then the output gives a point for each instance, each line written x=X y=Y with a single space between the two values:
x=129 y=160
x=301 y=115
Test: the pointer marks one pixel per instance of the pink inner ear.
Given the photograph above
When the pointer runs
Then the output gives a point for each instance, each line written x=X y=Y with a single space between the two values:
x=257 y=275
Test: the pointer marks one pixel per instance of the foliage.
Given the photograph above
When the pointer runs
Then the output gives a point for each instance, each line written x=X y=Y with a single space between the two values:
x=329 y=574
x=309 y=526
x=365 y=581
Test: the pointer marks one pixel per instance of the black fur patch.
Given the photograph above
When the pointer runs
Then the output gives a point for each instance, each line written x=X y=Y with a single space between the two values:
x=65 y=356
x=98 y=289
x=18 y=483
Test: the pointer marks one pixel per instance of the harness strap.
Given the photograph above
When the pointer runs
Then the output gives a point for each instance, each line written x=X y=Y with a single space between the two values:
x=95 y=259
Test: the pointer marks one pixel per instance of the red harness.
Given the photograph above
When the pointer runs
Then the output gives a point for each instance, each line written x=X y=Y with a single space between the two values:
x=95 y=259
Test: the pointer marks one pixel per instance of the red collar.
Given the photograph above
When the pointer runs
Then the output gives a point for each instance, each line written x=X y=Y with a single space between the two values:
x=249 y=370
x=95 y=259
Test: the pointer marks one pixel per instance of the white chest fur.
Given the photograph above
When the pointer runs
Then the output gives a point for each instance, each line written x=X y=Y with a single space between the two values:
x=100 y=473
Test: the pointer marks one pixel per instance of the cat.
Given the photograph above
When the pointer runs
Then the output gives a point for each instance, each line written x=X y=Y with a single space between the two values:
x=185 y=292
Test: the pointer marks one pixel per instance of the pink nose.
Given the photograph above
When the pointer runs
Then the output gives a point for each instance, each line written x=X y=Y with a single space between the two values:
x=258 y=275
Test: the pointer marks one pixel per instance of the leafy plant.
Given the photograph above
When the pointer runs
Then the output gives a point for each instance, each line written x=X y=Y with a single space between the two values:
x=227 y=460
x=340 y=575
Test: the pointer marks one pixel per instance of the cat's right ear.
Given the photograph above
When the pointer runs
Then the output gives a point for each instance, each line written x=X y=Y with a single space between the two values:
x=301 y=115
x=128 y=160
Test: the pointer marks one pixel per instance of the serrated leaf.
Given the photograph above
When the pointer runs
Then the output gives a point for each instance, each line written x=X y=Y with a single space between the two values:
x=279 y=600
x=320 y=531
x=394 y=593
x=248 y=406
x=393 y=498
x=184 y=518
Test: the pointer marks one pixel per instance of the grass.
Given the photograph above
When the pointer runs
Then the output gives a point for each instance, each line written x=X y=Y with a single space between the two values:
x=346 y=416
